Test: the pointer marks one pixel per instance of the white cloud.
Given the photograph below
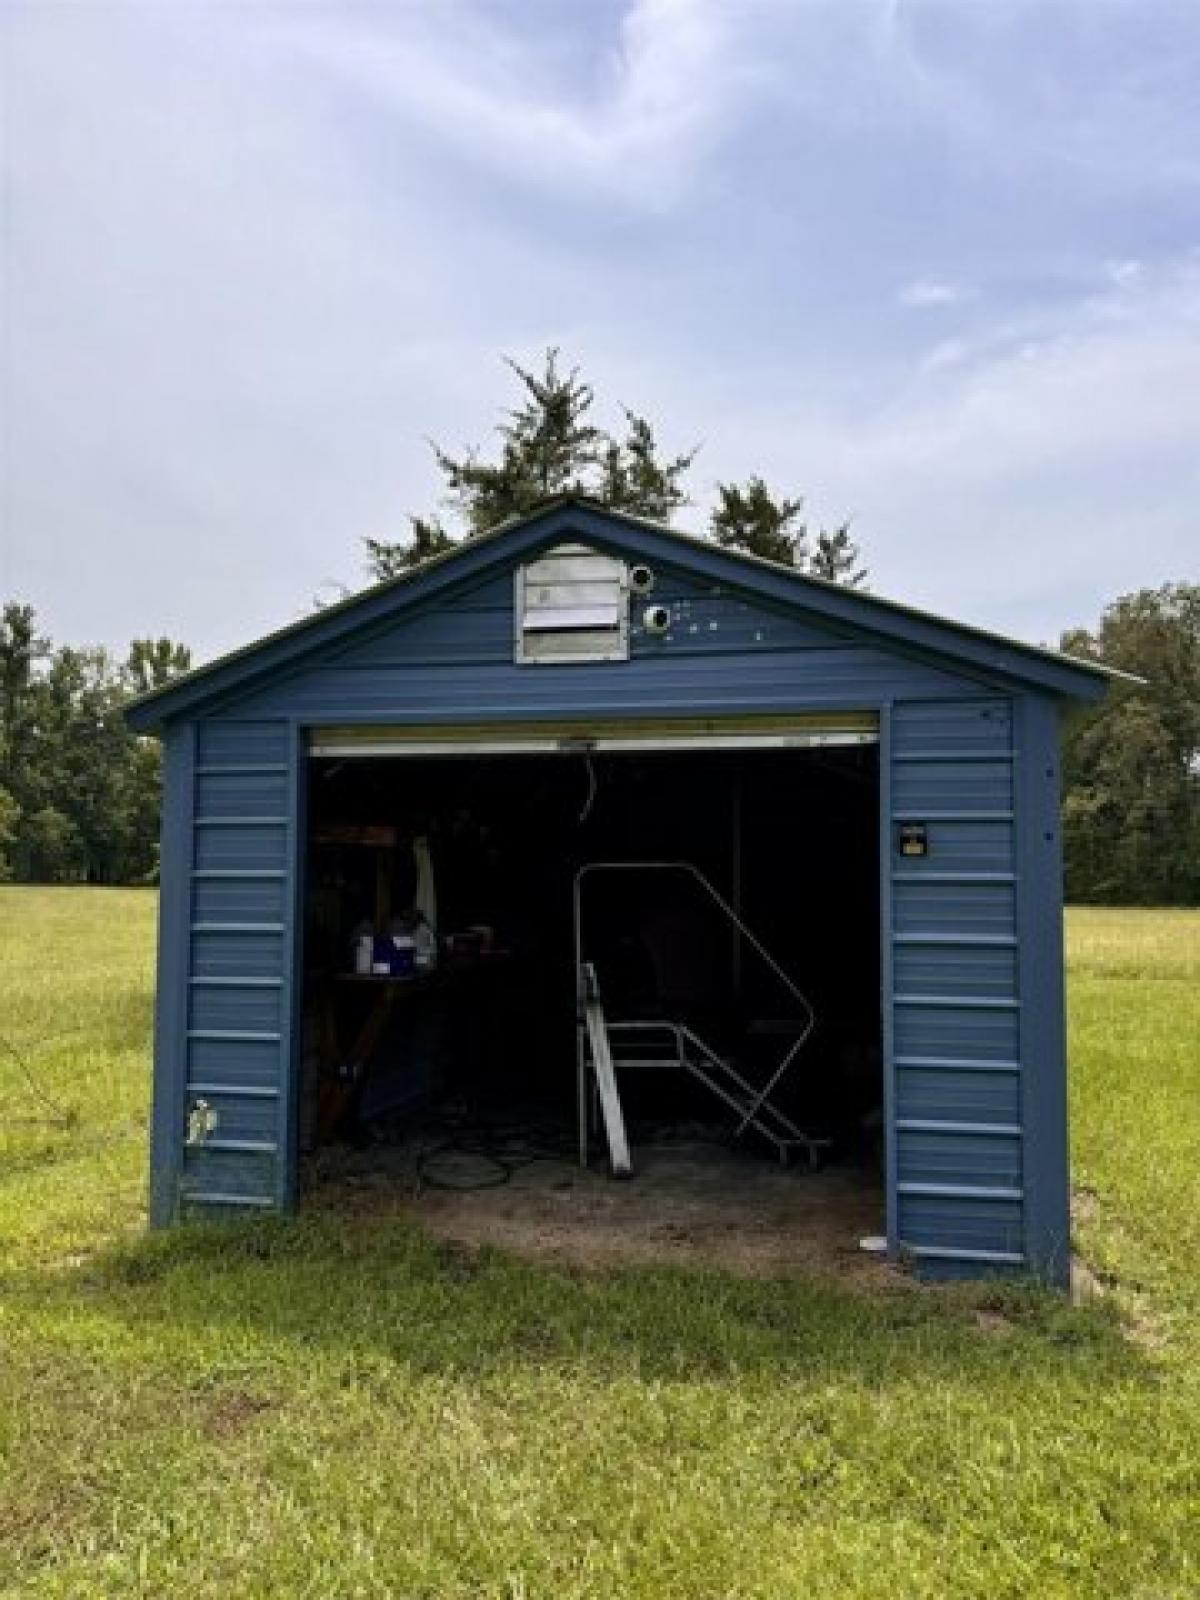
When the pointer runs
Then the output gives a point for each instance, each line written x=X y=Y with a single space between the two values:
x=948 y=353
x=633 y=129
x=1123 y=273
x=931 y=292
x=1028 y=476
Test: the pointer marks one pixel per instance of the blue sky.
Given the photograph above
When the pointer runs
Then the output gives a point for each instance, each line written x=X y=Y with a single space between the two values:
x=936 y=267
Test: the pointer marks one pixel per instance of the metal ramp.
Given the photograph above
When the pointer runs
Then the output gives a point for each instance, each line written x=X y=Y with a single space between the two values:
x=606 y=1047
x=600 y=1059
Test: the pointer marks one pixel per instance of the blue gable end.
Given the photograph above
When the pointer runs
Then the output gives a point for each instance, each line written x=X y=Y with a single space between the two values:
x=968 y=650
x=727 y=652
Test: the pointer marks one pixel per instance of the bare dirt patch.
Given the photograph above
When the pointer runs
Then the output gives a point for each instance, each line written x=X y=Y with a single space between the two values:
x=686 y=1203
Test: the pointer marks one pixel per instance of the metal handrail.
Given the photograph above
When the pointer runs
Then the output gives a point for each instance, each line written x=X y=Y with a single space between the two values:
x=689 y=869
x=714 y=894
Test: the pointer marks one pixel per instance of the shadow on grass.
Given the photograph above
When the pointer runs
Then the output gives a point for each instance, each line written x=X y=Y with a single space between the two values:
x=365 y=1291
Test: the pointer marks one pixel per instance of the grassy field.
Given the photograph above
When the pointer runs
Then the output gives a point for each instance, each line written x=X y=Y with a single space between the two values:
x=342 y=1408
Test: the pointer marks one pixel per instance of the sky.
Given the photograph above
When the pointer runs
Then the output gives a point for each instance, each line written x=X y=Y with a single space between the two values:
x=936 y=267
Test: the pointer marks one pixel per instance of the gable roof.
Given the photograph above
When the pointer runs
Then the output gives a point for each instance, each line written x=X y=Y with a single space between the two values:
x=577 y=517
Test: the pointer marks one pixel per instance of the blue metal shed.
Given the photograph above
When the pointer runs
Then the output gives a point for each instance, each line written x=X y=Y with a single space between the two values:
x=703 y=640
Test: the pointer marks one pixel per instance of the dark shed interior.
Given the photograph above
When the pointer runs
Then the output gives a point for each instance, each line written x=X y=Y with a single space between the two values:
x=454 y=878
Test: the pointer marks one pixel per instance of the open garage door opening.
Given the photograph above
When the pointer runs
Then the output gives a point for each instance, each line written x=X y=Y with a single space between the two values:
x=660 y=960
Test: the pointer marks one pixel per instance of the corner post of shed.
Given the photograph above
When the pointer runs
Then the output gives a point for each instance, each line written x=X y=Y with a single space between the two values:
x=292 y=998
x=1043 y=1023
x=887 y=930
x=174 y=944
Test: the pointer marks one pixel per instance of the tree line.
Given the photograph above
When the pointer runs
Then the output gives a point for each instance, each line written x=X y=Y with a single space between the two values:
x=1131 y=765
x=79 y=793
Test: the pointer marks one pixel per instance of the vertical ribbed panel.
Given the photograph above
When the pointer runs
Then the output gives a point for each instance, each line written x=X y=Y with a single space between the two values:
x=238 y=987
x=955 y=1007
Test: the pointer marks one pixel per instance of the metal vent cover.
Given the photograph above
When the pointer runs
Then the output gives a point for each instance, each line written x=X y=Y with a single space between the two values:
x=572 y=604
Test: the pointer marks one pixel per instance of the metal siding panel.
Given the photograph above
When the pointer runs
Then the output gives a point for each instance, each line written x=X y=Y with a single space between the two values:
x=495 y=593
x=239 y=985
x=1043 y=1031
x=955 y=1223
x=241 y=794
x=232 y=1063
x=956 y=970
x=229 y=1007
x=841 y=678
x=949 y=785
x=232 y=954
x=721 y=623
x=234 y=743
x=989 y=1160
x=972 y=727
x=956 y=1019
x=241 y=847
x=956 y=1095
x=240 y=899
x=964 y=846
x=438 y=637
x=215 y=1172
x=970 y=909
x=956 y=1033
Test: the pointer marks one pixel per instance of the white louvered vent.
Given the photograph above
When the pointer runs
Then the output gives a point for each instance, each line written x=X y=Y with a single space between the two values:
x=572 y=604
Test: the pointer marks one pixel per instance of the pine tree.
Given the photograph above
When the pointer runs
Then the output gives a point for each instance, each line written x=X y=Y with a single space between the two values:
x=749 y=517
x=836 y=557
x=428 y=538
x=549 y=445
x=635 y=480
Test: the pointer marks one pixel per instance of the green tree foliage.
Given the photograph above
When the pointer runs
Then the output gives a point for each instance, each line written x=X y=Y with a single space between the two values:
x=22 y=650
x=10 y=816
x=749 y=517
x=427 y=538
x=78 y=792
x=153 y=662
x=550 y=444
x=635 y=480
x=1131 y=809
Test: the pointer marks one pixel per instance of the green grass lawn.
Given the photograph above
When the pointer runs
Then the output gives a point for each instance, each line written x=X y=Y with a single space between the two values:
x=341 y=1407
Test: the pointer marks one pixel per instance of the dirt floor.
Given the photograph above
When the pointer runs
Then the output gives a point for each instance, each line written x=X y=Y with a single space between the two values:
x=687 y=1202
